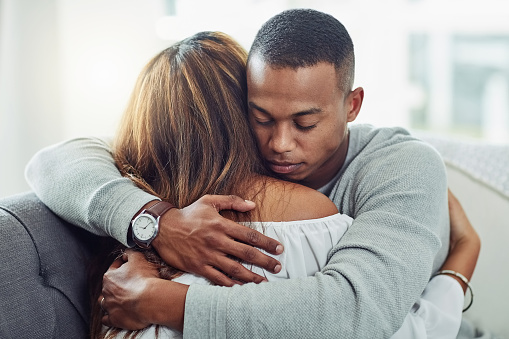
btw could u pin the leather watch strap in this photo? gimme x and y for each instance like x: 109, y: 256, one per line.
x: 158, y: 209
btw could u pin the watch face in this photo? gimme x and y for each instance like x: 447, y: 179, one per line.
x: 144, y: 227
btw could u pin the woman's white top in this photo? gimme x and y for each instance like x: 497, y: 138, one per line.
x: 437, y: 314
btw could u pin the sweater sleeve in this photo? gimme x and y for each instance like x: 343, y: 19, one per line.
x: 438, y: 312
x: 398, y: 198
x: 78, y: 181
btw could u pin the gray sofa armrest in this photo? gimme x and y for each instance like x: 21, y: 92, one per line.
x: 43, y: 270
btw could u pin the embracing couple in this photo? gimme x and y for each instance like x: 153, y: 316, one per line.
x: 211, y: 161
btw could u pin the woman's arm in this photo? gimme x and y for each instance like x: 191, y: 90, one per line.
x: 465, y: 243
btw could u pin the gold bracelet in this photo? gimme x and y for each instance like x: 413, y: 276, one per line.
x: 465, y: 280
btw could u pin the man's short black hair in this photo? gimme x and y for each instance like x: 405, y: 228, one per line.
x: 305, y: 37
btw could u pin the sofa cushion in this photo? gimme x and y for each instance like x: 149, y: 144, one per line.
x: 44, y: 272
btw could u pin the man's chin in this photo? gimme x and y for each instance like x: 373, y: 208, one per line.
x: 289, y: 177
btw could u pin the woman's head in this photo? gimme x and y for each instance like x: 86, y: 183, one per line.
x: 185, y: 133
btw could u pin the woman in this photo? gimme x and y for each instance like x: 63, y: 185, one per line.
x: 188, y: 108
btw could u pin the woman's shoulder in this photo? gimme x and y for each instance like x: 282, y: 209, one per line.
x: 287, y: 201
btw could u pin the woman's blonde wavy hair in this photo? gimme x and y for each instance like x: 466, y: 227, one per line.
x: 185, y: 131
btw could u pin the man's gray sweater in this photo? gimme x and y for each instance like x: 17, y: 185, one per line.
x: 393, y: 185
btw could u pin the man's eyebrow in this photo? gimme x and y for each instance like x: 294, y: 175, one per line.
x: 308, y: 112
x: 258, y: 108
x: 298, y: 114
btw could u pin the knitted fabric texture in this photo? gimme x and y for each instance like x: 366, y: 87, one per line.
x: 394, y: 187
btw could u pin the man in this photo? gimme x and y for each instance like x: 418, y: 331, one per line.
x: 300, y: 76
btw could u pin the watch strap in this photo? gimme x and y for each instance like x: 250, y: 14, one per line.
x: 158, y: 209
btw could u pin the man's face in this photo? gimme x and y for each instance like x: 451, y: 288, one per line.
x: 300, y: 119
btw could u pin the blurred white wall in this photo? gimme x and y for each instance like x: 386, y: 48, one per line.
x: 66, y: 69
x: 67, y: 66
x: 30, y: 106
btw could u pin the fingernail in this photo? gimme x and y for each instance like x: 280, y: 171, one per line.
x: 249, y: 202
x: 277, y: 268
x: 279, y: 249
x: 262, y: 280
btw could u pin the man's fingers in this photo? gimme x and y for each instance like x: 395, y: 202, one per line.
x: 124, y: 257
x: 106, y: 320
x: 216, y: 277
x: 117, y: 263
x: 133, y: 256
x: 238, y: 272
x: 229, y: 202
x: 253, y: 237
x: 130, y: 254
x: 249, y: 254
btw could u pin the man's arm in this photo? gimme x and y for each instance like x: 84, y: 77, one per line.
x: 163, y: 298
x: 373, y: 277
x: 131, y: 279
x: 78, y: 180
x: 397, y: 196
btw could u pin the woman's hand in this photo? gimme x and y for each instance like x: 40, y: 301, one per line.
x: 461, y: 228
x: 465, y: 243
x: 133, y: 292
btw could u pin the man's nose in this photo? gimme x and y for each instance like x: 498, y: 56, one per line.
x: 282, y: 140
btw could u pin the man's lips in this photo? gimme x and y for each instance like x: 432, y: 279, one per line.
x: 283, y: 167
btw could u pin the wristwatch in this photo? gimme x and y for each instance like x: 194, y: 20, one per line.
x: 146, y: 225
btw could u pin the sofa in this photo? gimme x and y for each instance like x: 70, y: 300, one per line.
x: 43, y: 261
x: 43, y: 270
x: 478, y: 174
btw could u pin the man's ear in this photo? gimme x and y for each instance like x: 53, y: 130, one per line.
x: 354, y: 103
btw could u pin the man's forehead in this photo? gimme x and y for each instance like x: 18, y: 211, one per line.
x: 281, y: 95
x: 259, y: 69
x: 257, y: 60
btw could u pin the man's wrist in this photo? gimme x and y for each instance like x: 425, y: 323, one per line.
x: 130, y: 239
x: 165, y: 302
x: 146, y: 206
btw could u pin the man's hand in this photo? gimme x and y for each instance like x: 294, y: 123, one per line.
x: 198, y: 239
x: 123, y: 286
x: 135, y: 297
